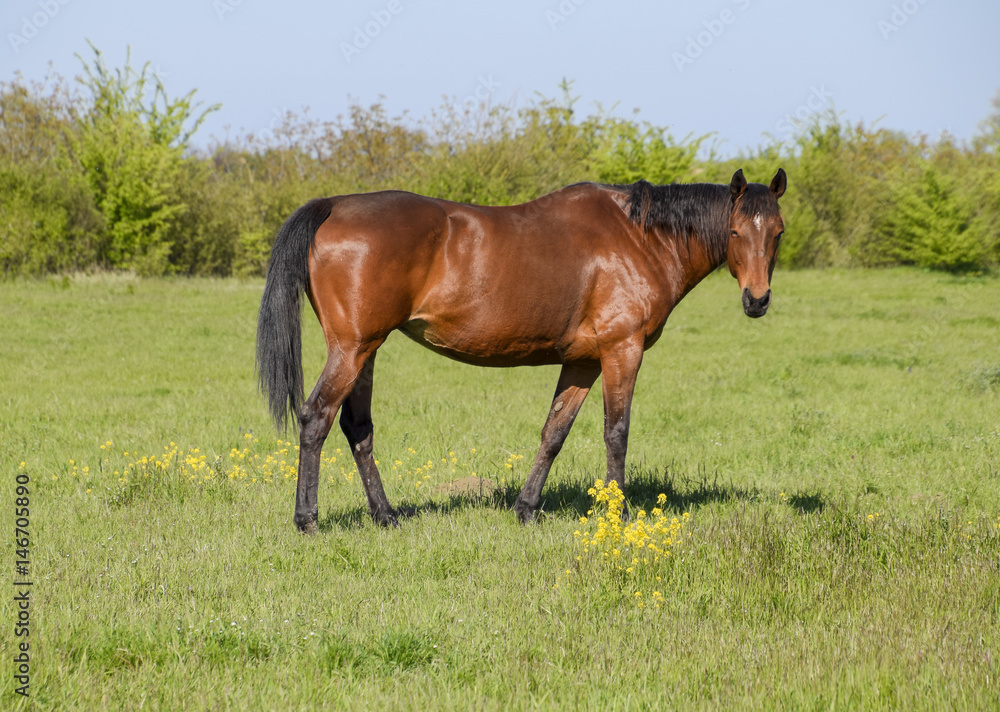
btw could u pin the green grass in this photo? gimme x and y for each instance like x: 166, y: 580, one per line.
x: 840, y: 460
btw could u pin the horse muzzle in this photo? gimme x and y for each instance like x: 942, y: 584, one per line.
x: 755, y: 307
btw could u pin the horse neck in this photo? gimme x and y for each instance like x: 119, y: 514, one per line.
x: 690, y: 253
x: 693, y: 258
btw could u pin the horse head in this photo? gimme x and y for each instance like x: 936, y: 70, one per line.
x: 755, y: 230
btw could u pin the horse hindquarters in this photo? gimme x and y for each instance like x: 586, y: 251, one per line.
x: 358, y: 289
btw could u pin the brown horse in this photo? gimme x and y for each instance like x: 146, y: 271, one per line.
x: 584, y: 277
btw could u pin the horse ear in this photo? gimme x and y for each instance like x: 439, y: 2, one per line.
x: 779, y: 183
x: 738, y: 184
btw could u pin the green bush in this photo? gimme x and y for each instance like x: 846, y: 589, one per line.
x: 106, y: 177
x: 930, y: 224
x: 625, y: 152
x: 48, y: 220
x: 131, y: 148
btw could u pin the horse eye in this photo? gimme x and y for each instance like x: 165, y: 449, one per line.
x: 780, y: 235
x: 733, y: 233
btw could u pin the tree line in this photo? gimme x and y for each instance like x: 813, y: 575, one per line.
x: 101, y: 174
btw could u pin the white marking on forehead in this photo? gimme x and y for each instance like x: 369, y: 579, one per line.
x: 757, y: 220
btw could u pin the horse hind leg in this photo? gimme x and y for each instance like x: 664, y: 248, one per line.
x: 333, y: 389
x: 356, y: 422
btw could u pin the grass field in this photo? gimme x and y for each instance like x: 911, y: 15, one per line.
x: 839, y: 461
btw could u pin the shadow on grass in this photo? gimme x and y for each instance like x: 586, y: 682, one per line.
x: 643, y: 485
x: 807, y: 503
x: 358, y: 517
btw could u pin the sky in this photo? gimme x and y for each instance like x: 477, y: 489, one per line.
x: 742, y: 70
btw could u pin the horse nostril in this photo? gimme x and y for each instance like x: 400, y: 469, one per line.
x: 753, y: 306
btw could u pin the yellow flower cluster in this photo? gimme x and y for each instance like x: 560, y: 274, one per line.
x: 511, y: 460
x: 193, y: 466
x: 337, y: 460
x: 252, y: 463
x: 626, y: 550
x: 412, y: 470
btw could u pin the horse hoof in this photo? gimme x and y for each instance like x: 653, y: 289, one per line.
x: 525, y: 514
x: 386, y: 519
x: 306, y: 524
x: 308, y: 528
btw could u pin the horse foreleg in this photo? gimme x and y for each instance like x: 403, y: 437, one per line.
x: 575, y: 381
x: 619, y: 369
x: 356, y: 422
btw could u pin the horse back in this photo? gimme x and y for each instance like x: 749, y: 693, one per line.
x: 491, y: 285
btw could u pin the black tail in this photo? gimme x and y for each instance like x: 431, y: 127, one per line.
x: 279, y: 330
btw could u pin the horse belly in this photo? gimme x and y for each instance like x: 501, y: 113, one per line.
x: 489, y: 342
x: 503, y: 290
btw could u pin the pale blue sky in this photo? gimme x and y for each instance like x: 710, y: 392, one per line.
x: 739, y: 68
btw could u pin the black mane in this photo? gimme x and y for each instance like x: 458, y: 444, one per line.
x: 699, y: 211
